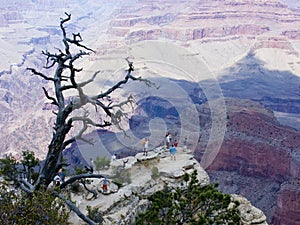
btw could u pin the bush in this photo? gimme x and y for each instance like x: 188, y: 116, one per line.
x: 101, y: 163
x: 155, y: 173
x: 121, y: 176
x: 36, y: 208
x: 95, y: 214
x: 192, y: 205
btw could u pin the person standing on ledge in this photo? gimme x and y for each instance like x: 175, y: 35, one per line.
x: 145, y: 146
x: 185, y: 144
x: 113, y: 157
x: 172, y: 152
x: 175, y: 143
x: 105, y: 184
x: 168, y: 140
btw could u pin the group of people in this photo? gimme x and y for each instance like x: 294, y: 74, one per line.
x: 60, y: 176
x: 170, y: 145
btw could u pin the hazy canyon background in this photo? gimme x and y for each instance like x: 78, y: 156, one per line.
x: 228, y: 73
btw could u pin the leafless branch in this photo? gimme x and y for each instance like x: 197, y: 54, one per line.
x: 81, y: 176
x: 124, y: 81
x: 74, y: 86
x: 130, y: 100
x: 51, y: 65
x: 74, y: 208
x: 90, y: 80
x: 77, y: 42
x: 85, y: 121
x: 89, y: 190
x: 67, y: 47
x: 78, y: 55
x: 34, y: 72
x: 114, y: 87
x: 54, y: 102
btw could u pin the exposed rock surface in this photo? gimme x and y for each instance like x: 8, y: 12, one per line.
x: 255, y: 146
x: 288, y: 204
x: 120, y: 206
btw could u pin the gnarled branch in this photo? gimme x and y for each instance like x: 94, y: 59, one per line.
x: 34, y: 72
x: 81, y: 176
x: 75, y: 209
x: 54, y: 102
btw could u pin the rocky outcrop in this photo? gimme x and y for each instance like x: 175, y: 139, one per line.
x: 187, y: 34
x: 121, y: 205
x: 292, y: 34
x: 262, y: 192
x: 249, y: 214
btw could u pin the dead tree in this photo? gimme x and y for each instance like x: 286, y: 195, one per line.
x: 64, y: 79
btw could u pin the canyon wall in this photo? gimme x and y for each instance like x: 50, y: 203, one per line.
x: 258, y: 156
x: 250, y: 48
x: 287, y: 207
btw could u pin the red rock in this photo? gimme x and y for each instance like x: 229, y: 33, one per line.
x: 288, y: 205
x: 256, y: 145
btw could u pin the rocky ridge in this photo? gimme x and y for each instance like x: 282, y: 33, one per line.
x: 120, y: 206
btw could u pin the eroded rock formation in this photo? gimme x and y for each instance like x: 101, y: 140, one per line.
x: 120, y: 206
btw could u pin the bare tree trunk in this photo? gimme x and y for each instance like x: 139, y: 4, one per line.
x: 64, y: 79
x: 52, y: 159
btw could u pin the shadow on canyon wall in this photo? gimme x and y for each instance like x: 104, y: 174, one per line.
x: 254, y: 177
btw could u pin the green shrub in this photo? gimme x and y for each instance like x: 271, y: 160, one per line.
x: 94, y: 214
x: 192, y: 205
x: 121, y: 176
x: 155, y: 173
x: 37, y: 208
x: 101, y: 163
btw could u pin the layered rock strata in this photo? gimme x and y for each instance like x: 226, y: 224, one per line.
x: 256, y: 146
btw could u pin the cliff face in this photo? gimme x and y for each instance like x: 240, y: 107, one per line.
x: 256, y: 144
x: 208, y: 21
x: 288, y: 205
x: 260, y: 153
